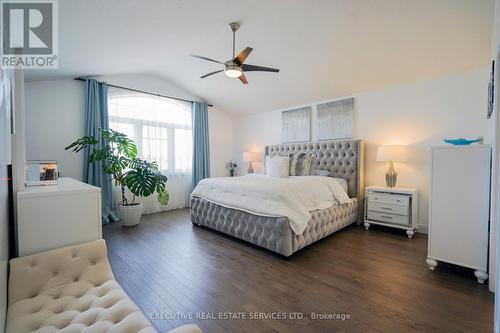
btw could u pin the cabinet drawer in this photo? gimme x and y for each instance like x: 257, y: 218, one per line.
x: 387, y: 208
x: 393, y: 199
x: 387, y: 218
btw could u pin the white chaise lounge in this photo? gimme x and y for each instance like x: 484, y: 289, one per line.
x: 72, y: 289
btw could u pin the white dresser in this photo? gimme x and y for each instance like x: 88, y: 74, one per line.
x: 394, y: 207
x: 459, y: 207
x: 50, y: 217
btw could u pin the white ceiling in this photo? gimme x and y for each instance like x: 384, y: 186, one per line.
x: 324, y: 48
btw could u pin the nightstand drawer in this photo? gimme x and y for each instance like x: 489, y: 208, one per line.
x: 392, y: 199
x: 387, y: 217
x: 387, y: 208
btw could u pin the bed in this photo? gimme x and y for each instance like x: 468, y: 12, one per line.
x: 343, y: 158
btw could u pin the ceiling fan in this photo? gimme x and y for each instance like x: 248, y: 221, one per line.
x: 236, y: 67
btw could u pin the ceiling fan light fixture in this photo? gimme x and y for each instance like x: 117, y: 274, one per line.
x: 233, y: 71
x: 236, y: 67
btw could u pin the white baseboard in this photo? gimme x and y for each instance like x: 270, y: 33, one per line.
x: 423, y: 229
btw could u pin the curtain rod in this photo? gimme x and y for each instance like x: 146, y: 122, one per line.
x: 143, y: 92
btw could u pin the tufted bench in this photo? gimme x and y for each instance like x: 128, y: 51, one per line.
x: 72, y: 289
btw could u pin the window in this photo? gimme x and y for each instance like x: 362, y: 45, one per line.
x: 161, y: 127
x: 155, y: 145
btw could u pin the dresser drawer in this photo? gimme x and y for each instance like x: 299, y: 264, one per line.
x: 392, y: 199
x: 387, y: 217
x: 387, y: 208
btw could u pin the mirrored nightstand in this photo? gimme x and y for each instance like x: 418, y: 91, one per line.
x: 395, y: 207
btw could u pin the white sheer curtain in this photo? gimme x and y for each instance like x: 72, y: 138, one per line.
x: 161, y: 128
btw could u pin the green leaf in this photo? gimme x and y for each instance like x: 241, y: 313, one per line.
x: 144, y: 179
x: 82, y: 143
x: 134, y: 162
x: 140, y: 182
x: 124, y: 145
x: 163, y: 197
x: 98, y: 155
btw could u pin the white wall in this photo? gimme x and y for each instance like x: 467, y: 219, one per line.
x: 55, y: 118
x: 5, y: 160
x: 495, y: 187
x: 221, y: 142
x: 4, y: 234
x: 18, y: 160
x: 4, y: 244
x: 495, y: 38
x: 419, y: 115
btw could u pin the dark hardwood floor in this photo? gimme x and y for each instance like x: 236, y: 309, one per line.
x: 173, y: 270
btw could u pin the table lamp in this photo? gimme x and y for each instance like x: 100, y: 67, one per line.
x: 250, y: 157
x: 391, y: 154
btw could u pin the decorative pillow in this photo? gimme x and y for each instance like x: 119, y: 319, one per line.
x: 322, y: 173
x: 277, y: 166
x: 300, y: 164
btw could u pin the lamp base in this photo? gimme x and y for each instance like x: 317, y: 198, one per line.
x: 250, y: 168
x: 391, y: 176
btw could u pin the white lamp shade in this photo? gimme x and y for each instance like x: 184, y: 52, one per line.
x: 392, y: 153
x: 251, y: 156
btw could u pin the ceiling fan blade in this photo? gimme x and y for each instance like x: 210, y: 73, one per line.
x: 212, y: 73
x: 205, y: 58
x: 243, y: 78
x: 240, y: 58
x: 254, y: 68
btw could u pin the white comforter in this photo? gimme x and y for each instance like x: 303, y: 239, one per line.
x: 293, y: 197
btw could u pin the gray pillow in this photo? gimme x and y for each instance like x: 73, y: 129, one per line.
x: 326, y: 173
x: 323, y: 173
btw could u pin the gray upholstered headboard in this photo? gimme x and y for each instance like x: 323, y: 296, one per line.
x: 343, y: 158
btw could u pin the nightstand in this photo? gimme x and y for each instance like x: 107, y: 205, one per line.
x: 392, y: 207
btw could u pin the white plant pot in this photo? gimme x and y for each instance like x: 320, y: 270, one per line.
x: 130, y: 215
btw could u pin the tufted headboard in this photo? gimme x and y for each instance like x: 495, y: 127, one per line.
x: 343, y: 158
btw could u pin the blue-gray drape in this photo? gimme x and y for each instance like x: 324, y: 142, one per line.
x: 201, y: 147
x: 96, y: 117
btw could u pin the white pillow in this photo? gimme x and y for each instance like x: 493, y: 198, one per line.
x: 277, y: 166
x: 343, y: 183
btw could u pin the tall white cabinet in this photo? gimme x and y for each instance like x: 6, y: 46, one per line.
x: 459, y: 207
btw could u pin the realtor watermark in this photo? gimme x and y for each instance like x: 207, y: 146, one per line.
x: 249, y: 316
x: 29, y: 34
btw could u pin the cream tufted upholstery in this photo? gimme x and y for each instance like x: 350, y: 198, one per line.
x: 71, y: 289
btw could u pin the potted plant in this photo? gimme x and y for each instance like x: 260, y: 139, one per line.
x: 231, y: 166
x: 119, y: 159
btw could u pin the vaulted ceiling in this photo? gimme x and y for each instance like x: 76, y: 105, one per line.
x: 324, y: 48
